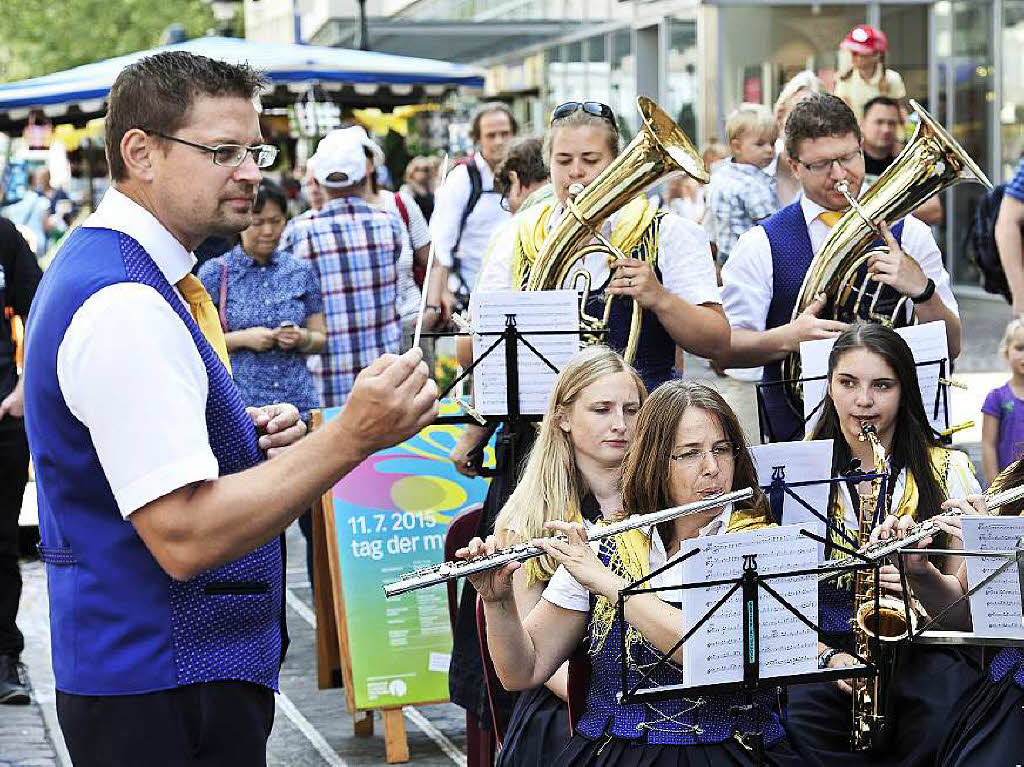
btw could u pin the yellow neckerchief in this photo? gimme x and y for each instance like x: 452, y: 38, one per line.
x: 940, y: 459
x: 631, y: 558
x: 633, y: 224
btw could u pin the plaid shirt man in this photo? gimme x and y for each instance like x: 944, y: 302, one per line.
x: 354, y: 249
x: 739, y: 196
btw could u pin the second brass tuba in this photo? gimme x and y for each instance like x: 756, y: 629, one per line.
x: 931, y: 161
x: 661, y: 147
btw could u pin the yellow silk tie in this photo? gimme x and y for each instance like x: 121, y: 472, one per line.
x: 830, y: 217
x: 205, y: 315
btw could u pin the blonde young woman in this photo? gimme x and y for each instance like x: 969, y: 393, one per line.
x: 572, y: 474
x: 688, y: 446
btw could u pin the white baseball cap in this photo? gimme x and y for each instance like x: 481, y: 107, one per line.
x: 339, y: 161
x: 358, y: 133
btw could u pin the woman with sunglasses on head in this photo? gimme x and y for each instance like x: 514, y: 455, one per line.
x: 688, y: 447
x: 872, y: 380
x: 668, y: 269
x: 572, y: 475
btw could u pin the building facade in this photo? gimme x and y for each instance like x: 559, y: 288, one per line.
x: 963, y: 60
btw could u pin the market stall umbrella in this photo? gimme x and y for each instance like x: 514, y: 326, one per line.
x: 348, y: 77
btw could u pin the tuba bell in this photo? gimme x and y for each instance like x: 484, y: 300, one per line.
x: 661, y: 147
x: 929, y: 163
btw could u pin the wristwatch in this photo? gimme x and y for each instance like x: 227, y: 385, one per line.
x: 826, y: 656
x: 924, y: 295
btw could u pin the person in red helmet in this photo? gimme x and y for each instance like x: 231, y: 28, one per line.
x: 867, y: 76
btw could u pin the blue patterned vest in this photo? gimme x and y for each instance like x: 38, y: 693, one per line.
x: 684, y: 721
x: 1009, y: 661
x: 656, y: 351
x: 791, y: 259
x: 119, y: 624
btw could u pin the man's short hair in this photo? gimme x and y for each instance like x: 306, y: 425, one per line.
x: 820, y: 115
x: 491, y: 107
x: 880, y: 101
x: 156, y: 93
x: 750, y: 118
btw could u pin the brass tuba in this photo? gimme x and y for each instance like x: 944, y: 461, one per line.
x: 929, y: 163
x: 661, y: 147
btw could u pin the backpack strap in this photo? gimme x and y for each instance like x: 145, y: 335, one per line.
x: 476, y: 190
x: 223, y: 293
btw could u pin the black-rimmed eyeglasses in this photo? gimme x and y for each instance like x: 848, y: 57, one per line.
x: 230, y: 155
x: 824, y: 166
x: 595, y: 108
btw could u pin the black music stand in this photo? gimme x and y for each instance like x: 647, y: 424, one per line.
x: 926, y: 634
x: 514, y: 420
x: 750, y: 584
x: 766, y: 428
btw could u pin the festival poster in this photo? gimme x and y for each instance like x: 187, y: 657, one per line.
x: 391, y: 515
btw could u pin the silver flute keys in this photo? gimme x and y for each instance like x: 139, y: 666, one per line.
x: 447, y: 571
x: 921, y: 530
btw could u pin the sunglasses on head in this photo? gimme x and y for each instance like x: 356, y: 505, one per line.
x: 595, y: 108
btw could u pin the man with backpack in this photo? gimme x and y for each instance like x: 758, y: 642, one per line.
x: 466, y: 209
x: 1009, y: 230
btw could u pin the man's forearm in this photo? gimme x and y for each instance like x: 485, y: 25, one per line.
x: 212, y: 523
x: 751, y: 348
x: 700, y: 330
x: 1011, y: 254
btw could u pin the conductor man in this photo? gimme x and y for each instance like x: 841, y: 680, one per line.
x: 160, y: 513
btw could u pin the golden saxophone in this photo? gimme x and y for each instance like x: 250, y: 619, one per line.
x: 867, y: 698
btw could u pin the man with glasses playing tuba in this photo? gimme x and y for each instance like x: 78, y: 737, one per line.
x: 766, y: 270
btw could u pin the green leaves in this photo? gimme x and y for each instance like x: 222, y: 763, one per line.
x: 40, y: 37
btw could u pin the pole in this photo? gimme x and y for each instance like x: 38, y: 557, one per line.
x: 364, y: 34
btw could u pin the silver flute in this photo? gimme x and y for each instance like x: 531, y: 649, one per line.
x: 431, y: 576
x: 881, y: 549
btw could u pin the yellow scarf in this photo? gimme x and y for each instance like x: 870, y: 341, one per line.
x: 631, y: 559
x: 632, y: 228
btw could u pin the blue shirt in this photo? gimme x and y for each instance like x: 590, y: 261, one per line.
x: 739, y: 196
x: 285, y: 289
x: 1016, y: 187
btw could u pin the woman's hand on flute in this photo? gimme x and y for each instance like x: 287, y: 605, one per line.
x: 576, y: 554
x: 492, y: 585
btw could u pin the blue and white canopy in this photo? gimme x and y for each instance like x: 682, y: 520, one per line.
x: 359, y: 78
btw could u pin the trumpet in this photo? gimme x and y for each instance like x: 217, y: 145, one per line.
x: 448, y: 571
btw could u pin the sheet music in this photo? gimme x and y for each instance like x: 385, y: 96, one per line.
x: 803, y: 461
x: 714, y: 653
x: 995, y: 608
x: 927, y: 342
x: 534, y: 310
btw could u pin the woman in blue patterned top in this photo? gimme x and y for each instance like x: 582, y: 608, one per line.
x: 271, y: 309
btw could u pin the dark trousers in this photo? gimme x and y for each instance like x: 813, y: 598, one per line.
x: 13, y: 477
x: 212, y: 724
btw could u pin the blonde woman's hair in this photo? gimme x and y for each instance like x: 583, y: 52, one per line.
x: 1013, y: 326
x: 750, y: 118
x: 579, y: 119
x: 549, y: 487
x: 805, y: 80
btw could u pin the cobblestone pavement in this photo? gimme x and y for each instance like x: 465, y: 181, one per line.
x: 312, y: 727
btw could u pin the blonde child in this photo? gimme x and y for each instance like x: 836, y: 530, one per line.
x: 1002, y: 427
x: 742, y: 192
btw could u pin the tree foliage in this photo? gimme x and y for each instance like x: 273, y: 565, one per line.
x: 44, y: 36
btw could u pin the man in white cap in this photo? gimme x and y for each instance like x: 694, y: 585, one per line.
x: 354, y: 248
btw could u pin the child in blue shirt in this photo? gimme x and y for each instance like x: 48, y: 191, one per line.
x: 741, y: 191
x: 1002, y: 428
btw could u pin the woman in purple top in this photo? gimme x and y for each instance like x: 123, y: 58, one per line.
x: 1002, y: 430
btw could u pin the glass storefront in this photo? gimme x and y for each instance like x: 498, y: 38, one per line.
x: 1011, y: 113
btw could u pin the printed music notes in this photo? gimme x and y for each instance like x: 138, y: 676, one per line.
x: 996, y: 607
x: 533, y: 310
x: 927, y: 342
x: 714, y: 653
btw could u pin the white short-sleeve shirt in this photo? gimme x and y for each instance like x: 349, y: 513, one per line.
x: 747, y: 275
x: 565, y: 591
x: 684, y: 258
x: 129, y: 370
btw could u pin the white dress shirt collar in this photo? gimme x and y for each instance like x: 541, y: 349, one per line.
x: 716, y: 526
x: 486, y: 174
x: 119, y: 212
x: 811, y: 209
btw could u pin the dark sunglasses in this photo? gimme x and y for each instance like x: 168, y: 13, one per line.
x: 595, y: 108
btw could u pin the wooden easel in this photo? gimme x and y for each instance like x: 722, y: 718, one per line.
x: 332, y: 635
